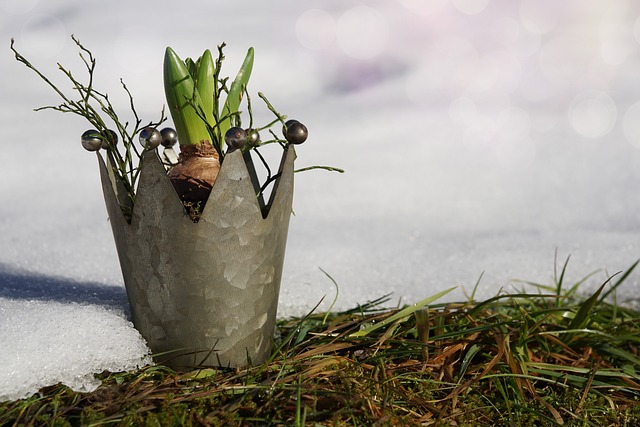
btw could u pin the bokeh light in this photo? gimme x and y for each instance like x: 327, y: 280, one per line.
x: 539, y: 16
x: 463, y: 111
x: 424, y: 7
x: 564, y: 59
x: 616, y: 43
x: 636, y: 30
x: 498, y: 70
x: 316, y: 29
x: 525, y: 43
x: 470, y: 7
x: 362, y: 32
x: 631, y: 124
x: 592, y: 114
x: 448, y: 68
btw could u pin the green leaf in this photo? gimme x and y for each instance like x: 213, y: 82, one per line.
x: 192, y: 67
x: 236, y: 90
x: 205, y: 84
x: 181, y: 95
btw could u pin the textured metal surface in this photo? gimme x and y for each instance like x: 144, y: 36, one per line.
x: 205, y: 291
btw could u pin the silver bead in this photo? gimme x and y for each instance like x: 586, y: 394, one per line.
x: 150, y: 137
x: 235, y: 138
x: 169, y: 137
x: 295, y: 132
x: 114, y: 140
x: 253, y: 137
x: 91, y: 140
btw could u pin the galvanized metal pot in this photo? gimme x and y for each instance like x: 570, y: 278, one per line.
x: 205, y: 293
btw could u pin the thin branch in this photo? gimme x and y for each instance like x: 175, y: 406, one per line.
x: 93, y: 105
x: 327, y: 168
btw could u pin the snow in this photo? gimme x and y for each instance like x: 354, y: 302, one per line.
x: 84, y: 341
x: 477, y: 136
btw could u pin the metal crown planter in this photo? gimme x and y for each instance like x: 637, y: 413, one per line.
x: 201, y: 252
x: 203, y: 293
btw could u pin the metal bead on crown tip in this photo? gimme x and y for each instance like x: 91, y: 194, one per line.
x: 169, y: 137
x: 235, y: 138
x: 91, y: 140
x: 113, y: 141
x: 150, y: 137
x: 253, y: 137
x: 295, y: 132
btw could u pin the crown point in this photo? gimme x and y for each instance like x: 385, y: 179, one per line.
x: 91, y: 140
x: 295, y: 132
x: 150, y: 138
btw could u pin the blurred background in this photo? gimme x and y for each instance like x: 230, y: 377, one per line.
x: 478, y: 136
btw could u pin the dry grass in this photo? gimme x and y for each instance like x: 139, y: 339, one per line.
x: 548, y: 358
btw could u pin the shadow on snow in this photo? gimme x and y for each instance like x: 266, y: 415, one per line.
x: 24, y: 285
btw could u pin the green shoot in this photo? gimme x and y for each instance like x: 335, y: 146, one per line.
x: 183, y: 100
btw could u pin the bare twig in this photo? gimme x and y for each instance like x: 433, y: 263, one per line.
x: 96, y: 108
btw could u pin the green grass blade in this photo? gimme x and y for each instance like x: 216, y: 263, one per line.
x: 407, y: 311
x: 618, y: 352
x: 473, y: 350
x: 581, y: 318
x: 620, y: 280
x: 335, y: 299
x: 584, y: 315
x: 494, y: 300
x: 472, y: 297
x: 560, y: 280
x: 551, y: 370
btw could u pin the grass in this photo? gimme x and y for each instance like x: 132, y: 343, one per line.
x: 552, y: 357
